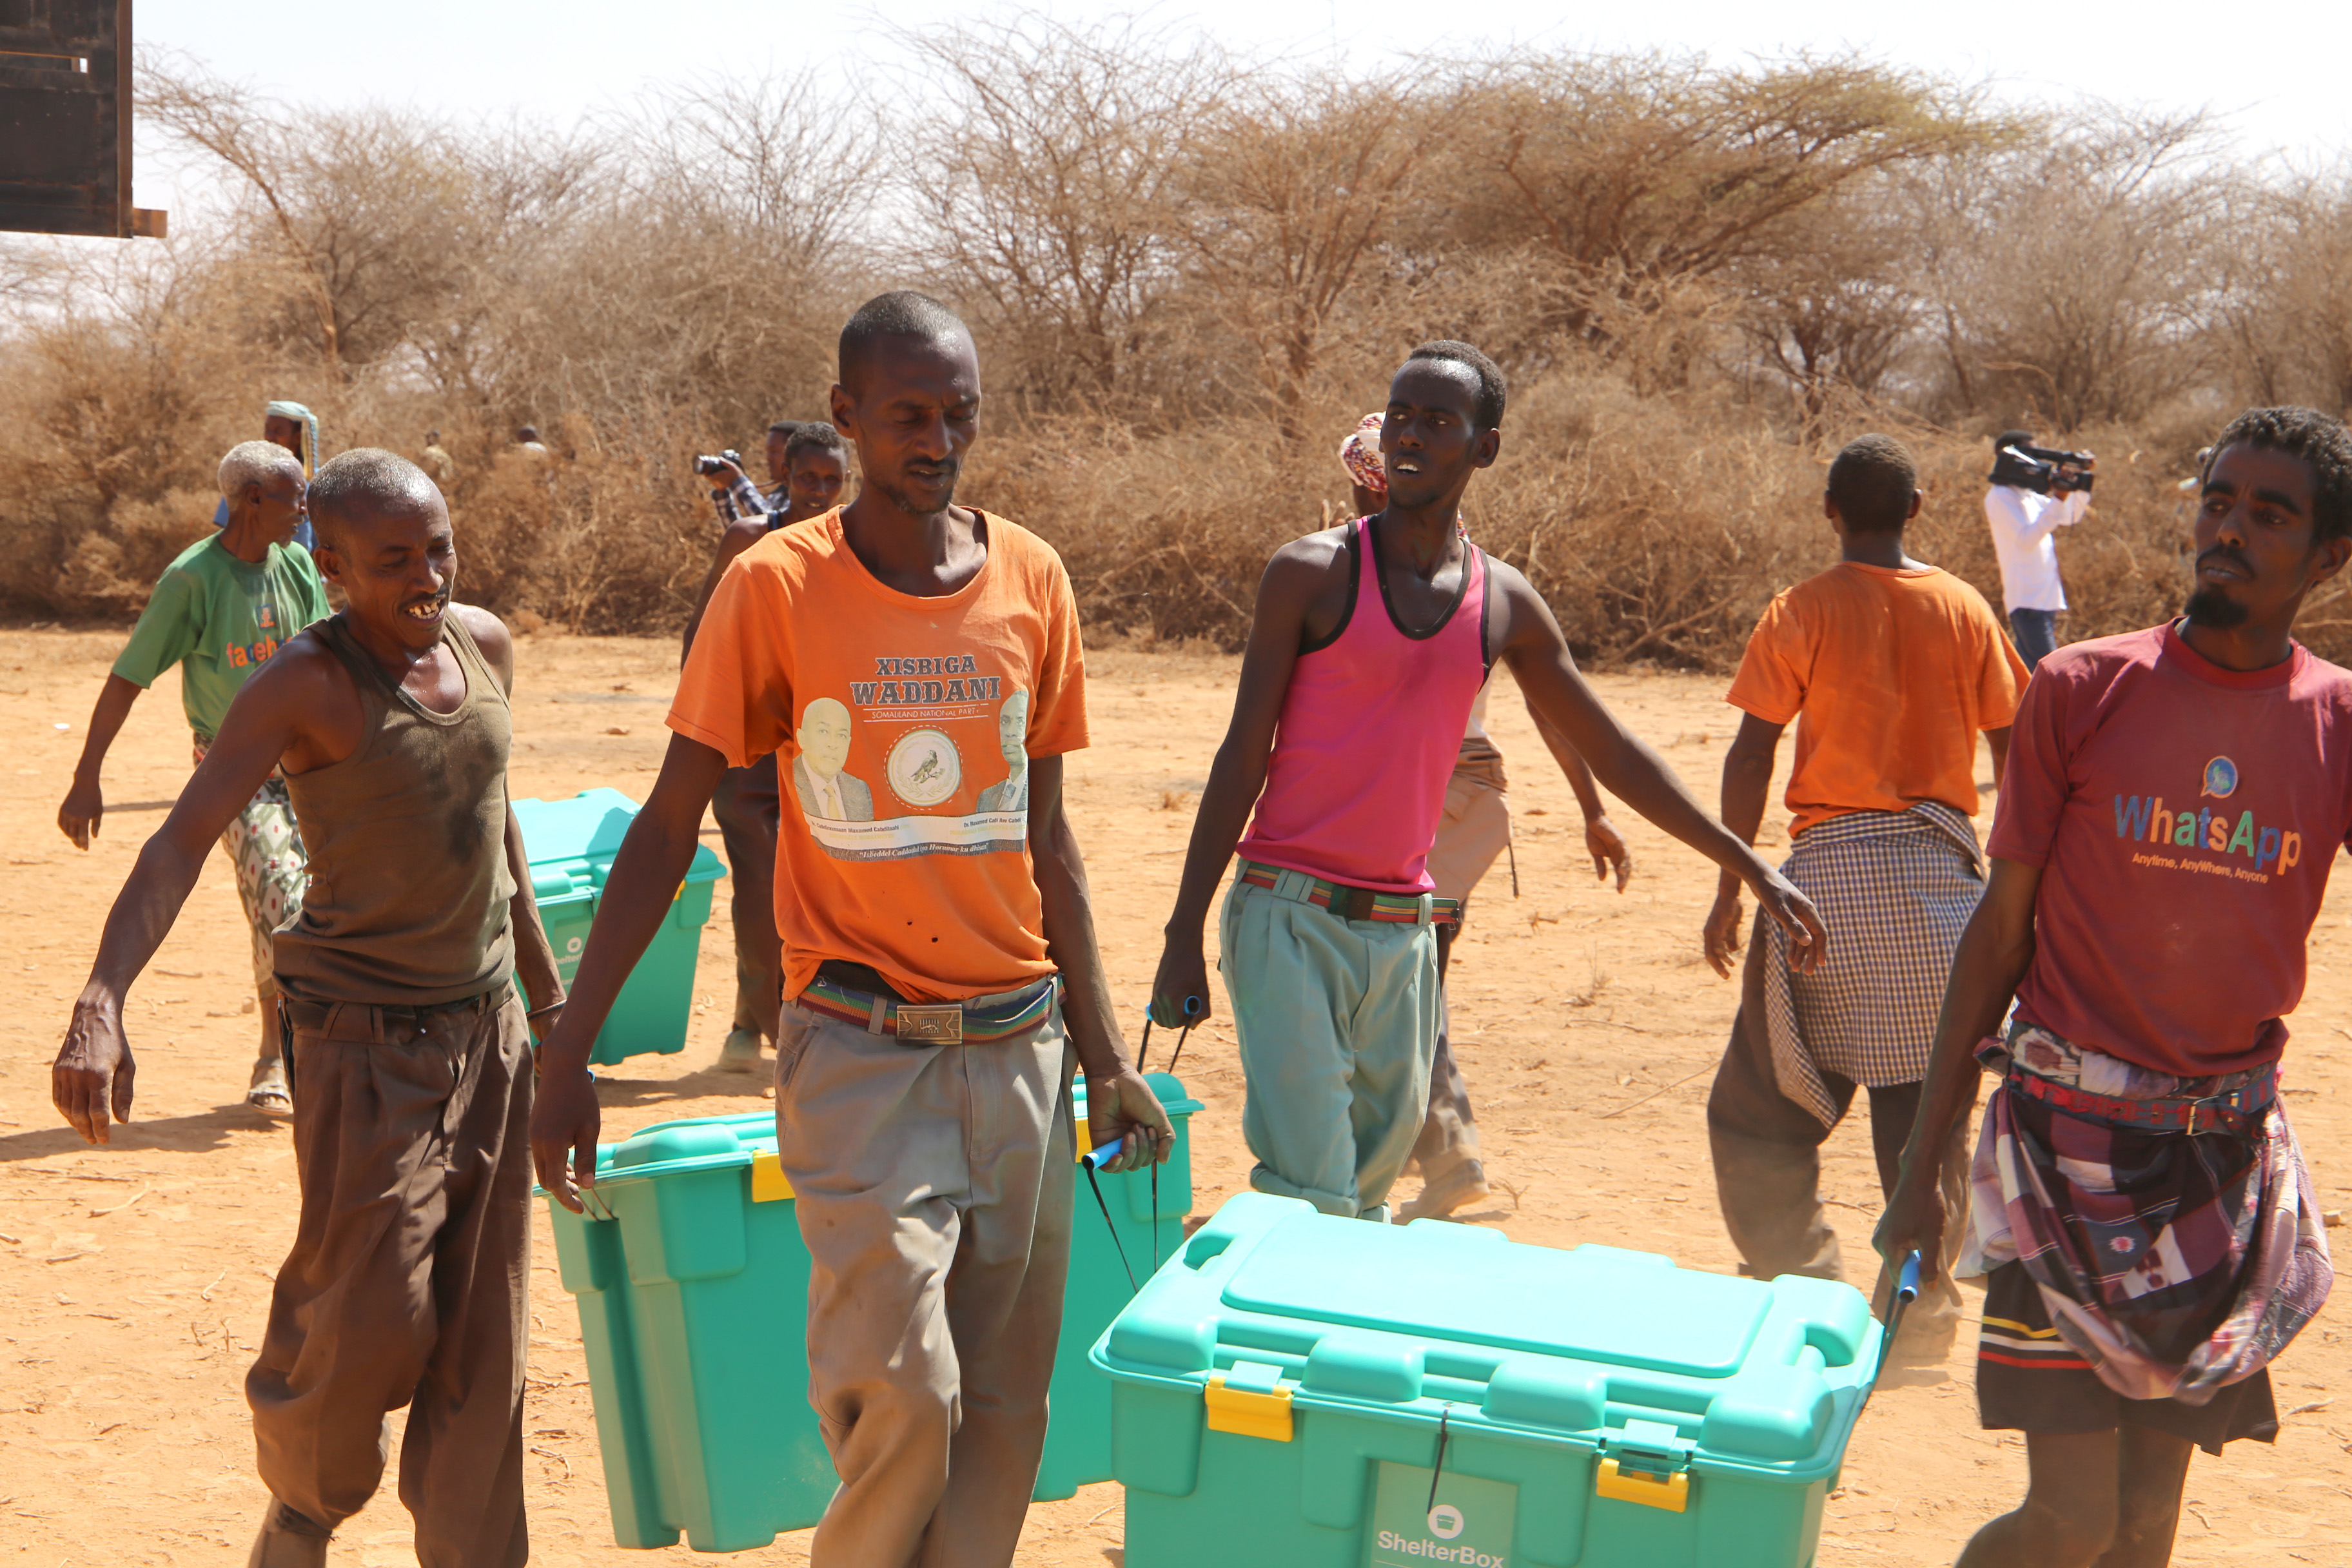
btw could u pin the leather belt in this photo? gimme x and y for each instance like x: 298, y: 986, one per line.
x: 2238, y: 1112
x: 879, y: 1010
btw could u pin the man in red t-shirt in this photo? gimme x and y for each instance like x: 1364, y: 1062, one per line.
x: 2170, y: 810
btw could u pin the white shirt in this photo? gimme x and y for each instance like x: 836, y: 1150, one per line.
x: 2022, y: 524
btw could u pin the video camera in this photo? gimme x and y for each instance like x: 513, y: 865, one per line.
x: 2041, y: 469
x: 711, y: 468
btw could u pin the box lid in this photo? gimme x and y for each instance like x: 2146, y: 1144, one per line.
x: 1596, y: 1346
x: 570, y: 843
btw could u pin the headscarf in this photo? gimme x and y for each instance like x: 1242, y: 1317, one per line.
x: 1359, y: 454
x: 310, y: 423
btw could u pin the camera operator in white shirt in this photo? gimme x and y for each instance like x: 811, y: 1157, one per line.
x: 2023, y: 519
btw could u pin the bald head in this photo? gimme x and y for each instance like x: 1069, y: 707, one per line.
x: 902, y: 314
x: 365, y: 483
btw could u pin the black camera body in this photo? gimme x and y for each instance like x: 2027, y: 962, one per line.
x: 711, y: 468
x: 2041, y: 469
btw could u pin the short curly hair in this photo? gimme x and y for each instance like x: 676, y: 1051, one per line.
x: 2319, y: 439
x: 1872, y: 480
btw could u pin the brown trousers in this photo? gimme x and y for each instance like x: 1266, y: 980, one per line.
x: 1768, y: 1163
x: 933, y: 1186
x: 750, y: 812
x: 407, y: 1281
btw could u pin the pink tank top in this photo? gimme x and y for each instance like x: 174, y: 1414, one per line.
x: 1368, y: 735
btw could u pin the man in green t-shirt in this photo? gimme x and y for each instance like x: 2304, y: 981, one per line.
x: 228, y: 603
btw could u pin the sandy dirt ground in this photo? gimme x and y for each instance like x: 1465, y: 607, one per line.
x: 134, y: 1280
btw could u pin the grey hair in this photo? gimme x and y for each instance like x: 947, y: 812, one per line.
x: 254, y: 463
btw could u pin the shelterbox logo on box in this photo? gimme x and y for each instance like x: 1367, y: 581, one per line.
x: 1437, y: 1552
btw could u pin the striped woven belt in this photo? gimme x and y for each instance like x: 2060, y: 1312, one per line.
x: 2237, y: 1112
x: 1357, y: 903
x: 934, y: 1023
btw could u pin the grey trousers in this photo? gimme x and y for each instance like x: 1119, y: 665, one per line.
x: 933, y: 1186
x: 407, y: 1280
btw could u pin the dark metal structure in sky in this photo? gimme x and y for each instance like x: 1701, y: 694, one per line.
x: 65, y: 120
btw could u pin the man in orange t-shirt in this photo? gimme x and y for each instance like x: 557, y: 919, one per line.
x: 918, y: 665
x: 1891, y: 667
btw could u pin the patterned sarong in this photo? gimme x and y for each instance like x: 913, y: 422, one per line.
x: 2176, y: 1264
x: 272, y: 869
x: 1896, y: 889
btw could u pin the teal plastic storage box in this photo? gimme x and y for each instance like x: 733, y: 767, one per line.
x: 692, y: 1286
x: 1289, y: 1387
x: 572, y: 844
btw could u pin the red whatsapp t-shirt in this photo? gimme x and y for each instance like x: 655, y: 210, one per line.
x: 2185, y: 818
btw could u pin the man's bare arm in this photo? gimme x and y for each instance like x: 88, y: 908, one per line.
x: 1601, y: 839
x: 1997, y: 742
x: 1989, y: 965
x: 1747, y: 791
x: 1118, y: 1101
x: 1237, y: 776
x: 739, y: 536
x: 85, y: 802
x: 1547, y: 673
x: 654, y: 860
x: 94, y: 1070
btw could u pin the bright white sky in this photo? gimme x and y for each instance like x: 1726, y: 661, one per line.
x: 2279, y: 83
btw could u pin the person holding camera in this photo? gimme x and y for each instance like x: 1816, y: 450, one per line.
x: 810, y: 461
x: 2035, y: 492
x: 732, y: 493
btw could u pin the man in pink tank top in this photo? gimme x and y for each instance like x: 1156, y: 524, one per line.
x: 1368, y: 645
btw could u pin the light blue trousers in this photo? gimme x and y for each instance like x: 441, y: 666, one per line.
x: 1337, y: 1022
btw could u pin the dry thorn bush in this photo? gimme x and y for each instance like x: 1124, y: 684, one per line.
x: 1190, y: 274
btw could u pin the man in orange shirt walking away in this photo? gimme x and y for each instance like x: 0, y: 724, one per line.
x: 1895, y: 666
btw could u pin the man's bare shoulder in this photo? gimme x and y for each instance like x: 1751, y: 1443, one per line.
x: 489, y: 635
x: 304, y: 669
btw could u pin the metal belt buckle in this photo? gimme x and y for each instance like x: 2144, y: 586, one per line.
x: 937, y: 1025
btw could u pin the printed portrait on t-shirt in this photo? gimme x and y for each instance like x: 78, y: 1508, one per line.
x: 1013, y: 741
x: 826, y: 790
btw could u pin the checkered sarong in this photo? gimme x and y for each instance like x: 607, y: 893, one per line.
x: 2175, y: 1264
x: 1896, y: 889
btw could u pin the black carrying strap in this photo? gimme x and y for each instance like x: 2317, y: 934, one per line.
x: 1115, y: 1241
x: 1438, y: 1468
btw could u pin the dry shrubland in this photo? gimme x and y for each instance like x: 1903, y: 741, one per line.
x: 1189, y: 273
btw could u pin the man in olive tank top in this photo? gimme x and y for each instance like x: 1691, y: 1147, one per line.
x: 1368, y: 645
x: 409, y: 1046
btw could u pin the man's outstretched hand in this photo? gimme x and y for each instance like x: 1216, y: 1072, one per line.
x: 1124, y: 1108
x: 94, y: 1071
x: 1809, y: 939
x: 1606, y: 848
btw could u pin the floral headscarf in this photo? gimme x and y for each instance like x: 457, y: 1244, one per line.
x: 1359, y: 454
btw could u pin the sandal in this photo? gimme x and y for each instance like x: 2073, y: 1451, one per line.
x: 269, y: 1093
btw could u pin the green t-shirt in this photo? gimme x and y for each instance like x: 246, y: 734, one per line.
x: 221, y: 617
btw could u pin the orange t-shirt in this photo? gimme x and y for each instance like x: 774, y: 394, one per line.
x: 904, y: 728
x: 1893, y: 672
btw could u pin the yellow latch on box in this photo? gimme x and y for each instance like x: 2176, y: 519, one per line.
x: 1671, y: 1492
x: 1248, y: 1412
x: 768, y: 1182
